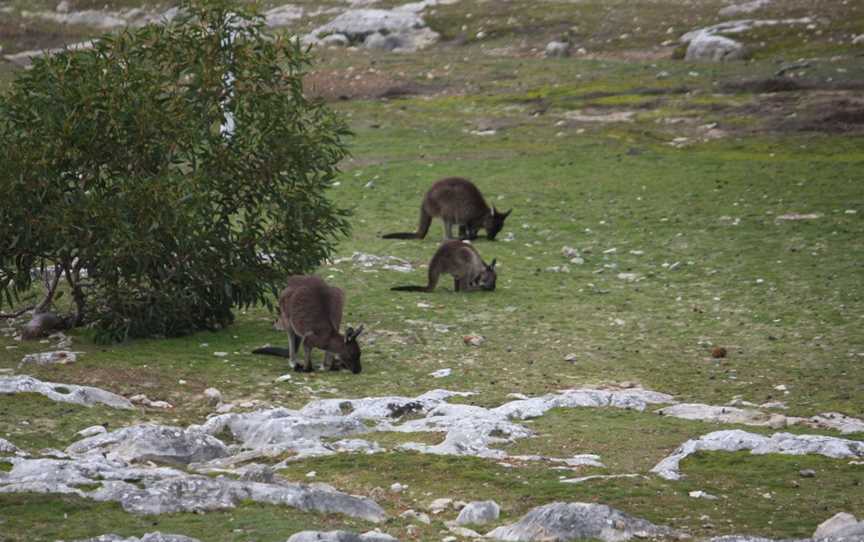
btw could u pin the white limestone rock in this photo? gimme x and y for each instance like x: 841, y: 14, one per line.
x: 66, y: 393
x: 715, y: 49
x: 577, y: 521
x: 840, y: 526
x: 149, y: 537
x: 743, y: 9
x: 737, y: 440
x: 150, y: 442
x: 557, y: 49
x: 478, y: 513
x: 7, y: 447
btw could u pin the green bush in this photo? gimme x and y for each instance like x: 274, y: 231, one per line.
x: 116, y: 173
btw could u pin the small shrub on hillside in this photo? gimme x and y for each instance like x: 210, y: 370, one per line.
x: 122, y: 172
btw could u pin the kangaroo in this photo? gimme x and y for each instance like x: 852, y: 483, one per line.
x: 311, y: 313
x: 457, y: 201
x: 462, y: 261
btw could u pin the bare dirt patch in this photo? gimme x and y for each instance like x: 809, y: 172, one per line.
x: 350, y: 85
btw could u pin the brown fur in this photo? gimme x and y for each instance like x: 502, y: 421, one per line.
x: 42, y: 324
x: 463, y: 262
x: 456, y: 201
x: 311, y: 314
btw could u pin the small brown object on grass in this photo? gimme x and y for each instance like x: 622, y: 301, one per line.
x: 718, y: 352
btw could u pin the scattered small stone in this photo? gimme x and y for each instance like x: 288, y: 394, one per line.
x: 557, y: 49
x: 283, y: 378
x: 558, y: 269
x: 213, y: 395
x: 311, y: 474
x: 397, y: 488
x: 570, y: 357
x: 799, y: 216
x: 473, y: 340
x: 92, y: 431
x: 569, y: 252
x: 220, y: 354
x: 142, y: 399
x: 58, y: 357
x: 439, y: 505
x: 840, y: 526
x: 807, y: 473
x: 441, y: 373
x: 702, y: 495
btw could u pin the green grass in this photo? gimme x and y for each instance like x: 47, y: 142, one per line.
x: 697, y: 225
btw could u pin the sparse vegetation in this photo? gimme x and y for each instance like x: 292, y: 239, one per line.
x: 697, y: 222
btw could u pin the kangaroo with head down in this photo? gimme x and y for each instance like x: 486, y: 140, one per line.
x: 462, y: 261
x: 457, y: 201
x: 311, y: 313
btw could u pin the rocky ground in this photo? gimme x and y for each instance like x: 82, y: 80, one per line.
x: 673, y: 351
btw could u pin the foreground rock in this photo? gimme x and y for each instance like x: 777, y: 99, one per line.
x: 577, y: 521
x: 840, y: 526
x: 157, y: 443
x: 66, y: 393
x: 478, y: 513
x: 340, y: 536
x: 743, y: 9
x: 7, y: 447
x: 160, y: 490
x: 149, y: 537
x: 778, y: 443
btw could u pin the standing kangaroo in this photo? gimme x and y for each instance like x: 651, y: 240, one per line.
x: 311, y: 313
x: 456, y: 201
x: 462, y: 261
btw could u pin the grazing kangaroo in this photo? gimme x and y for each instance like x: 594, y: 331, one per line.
x: 462, y: 261
x: 311, y: 313
x: 456, y: 201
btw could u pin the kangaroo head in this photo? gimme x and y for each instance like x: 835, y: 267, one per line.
x: 351, y: 358
x: 486, y: 279
x: 494, y: 222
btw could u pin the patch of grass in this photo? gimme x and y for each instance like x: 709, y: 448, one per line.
x: 696, y: 229
x: 38, y: 517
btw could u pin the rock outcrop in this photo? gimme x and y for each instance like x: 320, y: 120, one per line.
x: 778, y: 443
x: 577, y: 521
x: 66, y: 393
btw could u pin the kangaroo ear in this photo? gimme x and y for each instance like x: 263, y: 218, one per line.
x: 359, y: 331
x: 505, y: 215
x: 492, y: 265
x: 349, y: 331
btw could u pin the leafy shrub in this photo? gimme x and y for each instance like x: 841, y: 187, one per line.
x: 117, y: 171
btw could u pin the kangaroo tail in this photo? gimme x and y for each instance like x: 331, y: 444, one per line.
x: 409, y: 289
x: 422, y: 228
x: 405, y: 235
x: 273, y: 351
